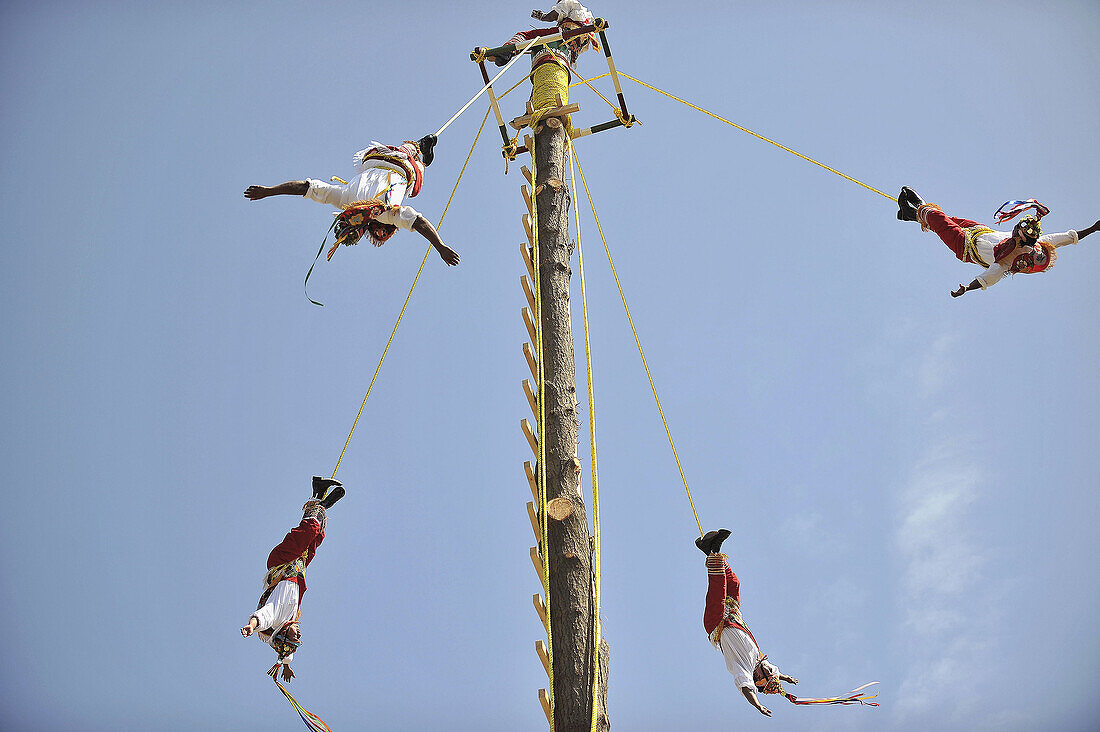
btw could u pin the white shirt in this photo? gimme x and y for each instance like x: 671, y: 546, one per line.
x: 986, y: 242
x: 741, y: 654
x: 386, y: 185
x: 281, y: 608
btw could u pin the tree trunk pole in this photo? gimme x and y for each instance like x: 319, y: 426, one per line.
x: 569, y: 549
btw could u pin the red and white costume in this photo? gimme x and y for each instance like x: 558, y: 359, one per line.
x: 977, y: 244
x: 564, y: 53
x: 724, y: 624
x: 385, y: 174
x: 285, y: 583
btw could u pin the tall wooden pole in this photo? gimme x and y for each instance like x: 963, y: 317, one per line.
x: 569, y: 546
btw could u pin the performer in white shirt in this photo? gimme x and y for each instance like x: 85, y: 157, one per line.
x: 1025, y: 251
x: 280, y: 606
x: 385, y: 175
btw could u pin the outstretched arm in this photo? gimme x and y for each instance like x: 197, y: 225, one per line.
x: 750, y: 697
x: 963, y: 289
x: 290, y: 188
x: 424, y: 227
x: 1082, y: 233
x: 788, y: 679
x: 550, y: 17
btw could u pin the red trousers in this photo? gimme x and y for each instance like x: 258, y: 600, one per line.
x: 950, y: 229
x: 303, y: 538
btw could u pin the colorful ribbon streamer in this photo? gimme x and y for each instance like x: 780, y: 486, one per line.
x: 854, y: 697
x: 1011, y: 209
x: 313, y: 722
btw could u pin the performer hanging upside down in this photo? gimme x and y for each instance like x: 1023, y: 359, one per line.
x: 752, y: 672
x: 1025, y: 251
x: 280, y: 606
x: 726, y: 628
x: 372, y: 200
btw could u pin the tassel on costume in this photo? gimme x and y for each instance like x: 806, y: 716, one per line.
x: 313, y: 722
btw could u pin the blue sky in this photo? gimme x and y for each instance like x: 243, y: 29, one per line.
x: 910, y: 479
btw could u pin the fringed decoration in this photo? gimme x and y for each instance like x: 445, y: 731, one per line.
x: 312, y: 721
x: 922, y: 211
x: 854, y: 697
x: 351, y: 225
x: 1011, y: 209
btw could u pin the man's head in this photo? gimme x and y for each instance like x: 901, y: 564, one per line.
x: 287, y: 639
x: 1027, y: 230
x: 766, y: 677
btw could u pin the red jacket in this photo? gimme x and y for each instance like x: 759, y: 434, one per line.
x: 302, y: 539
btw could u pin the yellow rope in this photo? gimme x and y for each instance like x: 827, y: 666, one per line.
x: 544, y: 520
x: 594, y: 78
x: 759, y: 137
x: 549, y: 82
x: 407, y: 297
x: 592, y: 462
x: 601, y: 96
x: 637, y: 341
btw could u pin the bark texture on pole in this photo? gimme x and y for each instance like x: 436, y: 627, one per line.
x: 569, y: 550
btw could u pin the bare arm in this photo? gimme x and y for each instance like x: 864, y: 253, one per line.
x: 1082, y: 233
x: 788, y: 679
x: 249, y: 629
x: 290, y: 188
x: 963, y: 289
x: 550, y: 17
x: 424, y: 227
x: 750, y: 697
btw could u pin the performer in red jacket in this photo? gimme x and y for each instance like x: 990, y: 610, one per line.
x: 1025, y: 251
x: 728, y: 631
x: 280, y: 606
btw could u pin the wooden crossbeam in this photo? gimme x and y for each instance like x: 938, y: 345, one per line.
x: 526, y: 196
x: 540, y: 608
x: 534, y: 516
x: 526, y: 174
x: 537, y: 561
x: 530, y: 435
x: 529, y: 321
x: 525, y: 250
x: 559, y: 111
x: 544, y: 699
x: 526, y: 285
x: 540, y: 648
x: 527, y: 229
x: 529, y: 469
x: 531, y: 398
x: 532, y: 364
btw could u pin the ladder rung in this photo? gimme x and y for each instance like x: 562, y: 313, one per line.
x: 540, y: 648
x: 544, y: 698
x: 529, y: 321
x: 534, y: 516
x: 532, y: 363
x: 537, y: 561
x: 531, y: 398
x: 529, y: 469
x: 540, y: 608
x: 526, y: 285
x: 530, y: 435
